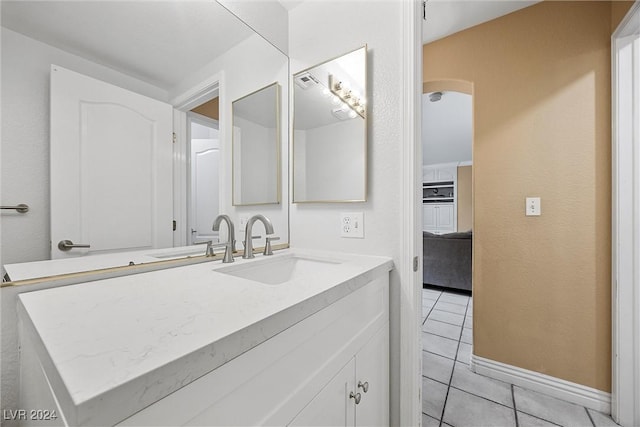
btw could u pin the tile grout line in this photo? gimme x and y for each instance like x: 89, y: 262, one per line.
x: 589, y: 415
x: 446, y: 397
x: 515, y: 410
x: 432, y: 308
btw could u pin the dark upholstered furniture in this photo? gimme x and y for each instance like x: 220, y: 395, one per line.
x: 447, y: 260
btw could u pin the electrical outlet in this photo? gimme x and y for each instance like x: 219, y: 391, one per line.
x: 532, y: 207
x: 352, y: 224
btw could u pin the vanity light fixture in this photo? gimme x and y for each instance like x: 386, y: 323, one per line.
x: 348, y: 96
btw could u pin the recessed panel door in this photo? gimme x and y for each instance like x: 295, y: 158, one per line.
x: 111, y: 168
x: 205, y: 183
x: 332, y: 406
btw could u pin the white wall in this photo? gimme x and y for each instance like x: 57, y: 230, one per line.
x: 246, y: 68
x: 254, y: 146
x: 334, y: 162
x: 322, y: 30
x: 447, y: 129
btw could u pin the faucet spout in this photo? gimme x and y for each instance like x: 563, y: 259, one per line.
x: 248, y: 242
x: 231, y: 243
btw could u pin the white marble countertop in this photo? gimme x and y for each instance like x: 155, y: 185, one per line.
x: 112, y: 347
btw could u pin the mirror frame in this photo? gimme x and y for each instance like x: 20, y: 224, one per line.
x: 278, y: 142
x: 365, y: 136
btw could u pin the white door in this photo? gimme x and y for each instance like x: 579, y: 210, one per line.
x: 204, y: 205
x: 111, y: 167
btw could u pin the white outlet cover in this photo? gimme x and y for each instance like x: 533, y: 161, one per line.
x: 352, y: 224
x: 532, y: 206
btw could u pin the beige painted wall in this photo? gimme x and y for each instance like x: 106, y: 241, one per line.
x: 209, y: 109
x: 541, y: 86
x: 464, y: 198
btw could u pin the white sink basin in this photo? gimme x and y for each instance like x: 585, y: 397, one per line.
x: 280, y: 269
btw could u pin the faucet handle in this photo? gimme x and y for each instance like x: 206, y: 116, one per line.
x: 267, y: 245
x: 211, y: 246
x: 253, y: 237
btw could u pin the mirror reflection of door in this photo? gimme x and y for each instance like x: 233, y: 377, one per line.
x: 110, y: 161
x: 204, y: 194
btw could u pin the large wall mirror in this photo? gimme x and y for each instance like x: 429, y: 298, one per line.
x: 190, y: 59
x: 330, y: 130
x: 256, y: 148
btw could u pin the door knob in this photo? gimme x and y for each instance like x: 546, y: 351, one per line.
x: 67, y: 245
x: 364, y: 386
x: 355, y: 396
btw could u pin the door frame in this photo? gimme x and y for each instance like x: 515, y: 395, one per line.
x: 408, y: 396
x: 625, y: 223
x: 182, y: 103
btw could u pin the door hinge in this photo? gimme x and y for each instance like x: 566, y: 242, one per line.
x: 415, y: 263
x: 174, y: 225
x: 175, y: 137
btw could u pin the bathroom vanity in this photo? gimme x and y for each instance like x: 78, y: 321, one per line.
x: 297, y: 338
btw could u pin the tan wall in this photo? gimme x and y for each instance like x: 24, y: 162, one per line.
x: 209, y: 109
x: 541, y: 87
x: 464, y: 198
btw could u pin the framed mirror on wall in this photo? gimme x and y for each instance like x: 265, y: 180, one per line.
x: 330, y: 130
x: 208, y: 58
x: 256, y: 148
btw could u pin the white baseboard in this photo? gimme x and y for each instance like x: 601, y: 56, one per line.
x: 546, y: 384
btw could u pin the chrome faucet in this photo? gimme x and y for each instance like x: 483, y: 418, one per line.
x: 248, y: 238
x: 230, y: 245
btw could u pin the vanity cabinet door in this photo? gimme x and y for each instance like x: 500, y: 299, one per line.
x: 372, y: 374
x: 358, y: 395
x: 332, y: 406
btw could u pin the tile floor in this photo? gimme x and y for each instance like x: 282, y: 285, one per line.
x: 452, y: 395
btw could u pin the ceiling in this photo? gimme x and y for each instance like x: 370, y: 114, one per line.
x: 154, y: 41
x: 446, y: 17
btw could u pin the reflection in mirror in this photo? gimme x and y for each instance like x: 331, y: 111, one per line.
x: 330, y: 131
x: 204, y: 173
x: 187, y: 57
x: 256, y: 152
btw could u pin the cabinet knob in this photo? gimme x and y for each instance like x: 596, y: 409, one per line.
x: 355, y: 396
x: 364, y: 386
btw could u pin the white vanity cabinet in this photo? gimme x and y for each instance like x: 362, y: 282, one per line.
x: 302, y: 376
x: 296, y: 362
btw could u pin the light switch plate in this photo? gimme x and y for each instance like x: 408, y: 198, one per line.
x: 532, y: 207
x: 352, y: 224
